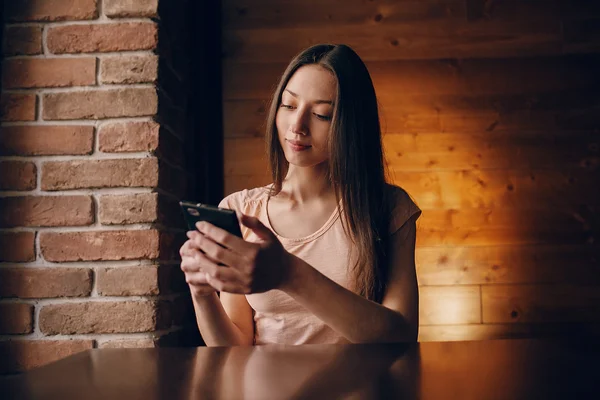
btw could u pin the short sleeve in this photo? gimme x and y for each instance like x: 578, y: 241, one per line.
x: 246, y: 202
x: 234, y: 201
x: 405, y: 208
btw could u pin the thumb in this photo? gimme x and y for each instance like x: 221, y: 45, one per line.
x: 256, y: 226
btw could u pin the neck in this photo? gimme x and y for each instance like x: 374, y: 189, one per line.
x: 306, y: 184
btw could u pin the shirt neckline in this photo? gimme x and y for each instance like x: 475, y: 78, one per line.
x: 319, y: 232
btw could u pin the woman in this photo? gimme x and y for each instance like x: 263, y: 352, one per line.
x: 328, y: 255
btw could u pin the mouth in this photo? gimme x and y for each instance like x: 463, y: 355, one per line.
x: 297, y: 146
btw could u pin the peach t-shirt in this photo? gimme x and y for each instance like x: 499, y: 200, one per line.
x: 278, y: 318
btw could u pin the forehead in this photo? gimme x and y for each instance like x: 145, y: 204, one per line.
x: 313, y: 82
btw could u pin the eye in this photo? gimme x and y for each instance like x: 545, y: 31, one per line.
x: 323, y: 117
x: 286, y: 106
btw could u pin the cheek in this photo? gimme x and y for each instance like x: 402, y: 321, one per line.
x: 321, y: 136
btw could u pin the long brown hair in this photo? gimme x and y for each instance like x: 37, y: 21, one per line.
x: 356, y: 166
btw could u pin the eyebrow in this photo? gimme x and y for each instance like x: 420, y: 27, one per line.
x: 316, y: 102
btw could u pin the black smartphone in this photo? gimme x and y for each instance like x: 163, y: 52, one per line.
x: 224, y: 218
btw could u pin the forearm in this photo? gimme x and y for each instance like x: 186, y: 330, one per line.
x: 214, y: 324
x: 359, y: 320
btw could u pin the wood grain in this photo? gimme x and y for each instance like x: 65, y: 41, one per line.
x: 438, y: 265
x: 448, y: 333
x: 575, y: 224
x: 480, y: 227
x: 540, y: 303
x: 235, y: 183
x: 275, y: 14
x: 472, y: 77
x: 244, y: 118
x: 498, y: 188
x: 554, y: 111
x: 447, y: 305
x: 448, y: 151
x: 501, y: 188
x: 403, y: 40
x: 490, y: 112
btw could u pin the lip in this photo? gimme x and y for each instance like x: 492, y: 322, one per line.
x: 297, y: 146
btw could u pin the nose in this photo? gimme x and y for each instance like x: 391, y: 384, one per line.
x: 298, y: 125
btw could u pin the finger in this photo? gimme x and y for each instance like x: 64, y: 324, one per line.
x: 190, y: 247
x: 195, y: 247
x: 225, y: 286
x: 184, y: 250
x: 223, y: 237
x: 197, y: 262
x: 191, y: 243
x: 257, y: 227
x: 221, y: 273
x: 188, y: 264
x: 197, y: 279
x: 215, y: 251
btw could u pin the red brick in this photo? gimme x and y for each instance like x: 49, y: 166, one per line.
x: 128, y: 209
x: 16, y: 318
x: 17, y: 175
x: 46, y: 211
x: 48, y: 10
x: 48, y: 72
x: 128, y: 344
x: 129, y: 69
x: 46, y: 282
x: 99, y: 317
x: 122, y: 137
x: 128, y: 8
x: 99, y: 104
x: 38, y: 140
x: 127, y: 281
x: 147, y: 280
x: 23, y: 355
x: 22, y: 40
x: 122, y: 36
x: 62, y: 175
x: 95, y: 246
x: 17, y: 107
x: 17, y: 246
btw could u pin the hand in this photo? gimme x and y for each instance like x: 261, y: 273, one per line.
x: 191, y: 266
x: 245, y: 267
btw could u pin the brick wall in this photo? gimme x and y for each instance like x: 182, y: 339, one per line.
x: 95, y: 116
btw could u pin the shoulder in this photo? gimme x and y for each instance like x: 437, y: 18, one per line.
x: 402, y: 207
x: 245, y: 198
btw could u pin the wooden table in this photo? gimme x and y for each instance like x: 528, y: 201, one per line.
x: 500, y: 369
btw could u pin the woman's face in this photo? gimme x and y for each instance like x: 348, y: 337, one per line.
x: 304, y: 116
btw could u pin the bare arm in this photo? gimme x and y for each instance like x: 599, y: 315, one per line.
x: 255, y: 268
x: 222, y: 322
x: 353, y: 316
x: 227, y: 322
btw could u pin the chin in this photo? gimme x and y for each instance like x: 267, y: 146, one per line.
x: 304, y: 162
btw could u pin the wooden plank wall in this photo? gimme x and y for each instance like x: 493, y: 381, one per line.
x: 491, y: 112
